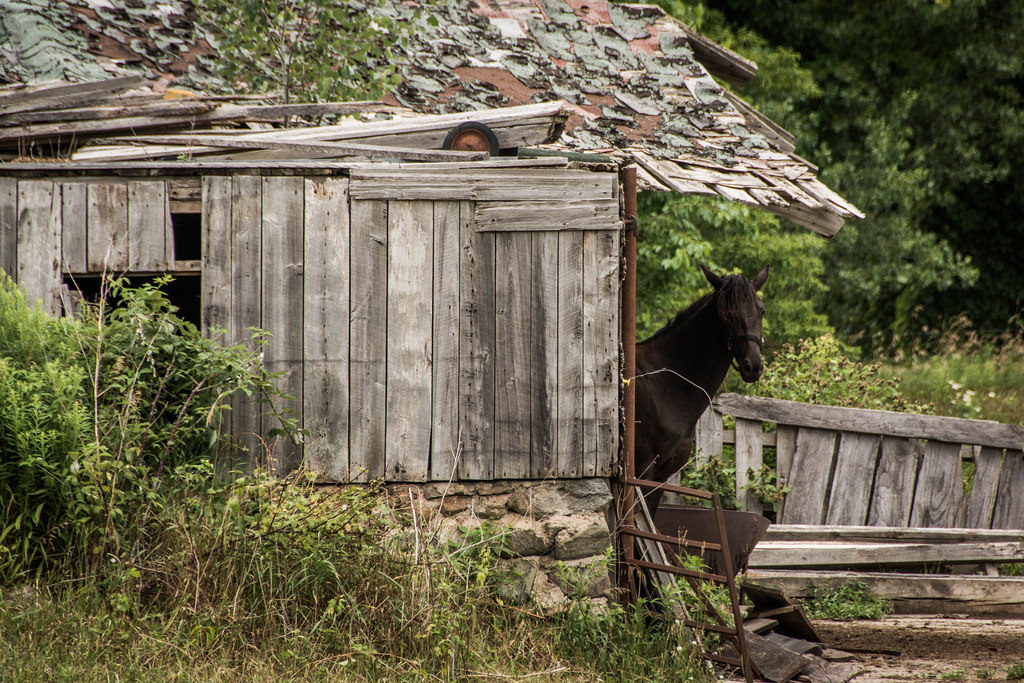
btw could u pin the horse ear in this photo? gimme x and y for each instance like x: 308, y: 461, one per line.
x: 715, y: 280
x: 760, y: 279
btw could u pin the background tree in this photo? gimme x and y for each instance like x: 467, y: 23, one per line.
x: 303, y: 50
x: 918, y: 120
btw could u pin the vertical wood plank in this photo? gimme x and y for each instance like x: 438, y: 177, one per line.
x: 108, y: 228
x: 894, y: 482
x: 368, y: 339
x: 445, y: 448
x: 512, y: 298
x: 147, y: 233
x: 74, y: 230
x: 939, y: 492
x: 601, y: 351
x: 325, y: 320
x: 544, y: 358
x: 707, y: 440
x: 39, y: 212
x: 850, y: 498
x: 282, y: 263
x: 785, y: 448
x: 409, y: 326
x: 244, y: 205
x: 569, y: 423
x: 476, y: 352
x: 215, y: 291
x: 9, y: 226
x: 216, y: 303
x: 748, y: 457
x: 1008, y: 512
x: 988, y: 463
x: 809, y: 477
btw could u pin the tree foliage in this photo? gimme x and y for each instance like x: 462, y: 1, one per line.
x: 917, y: 120
x: 677, y: 234
x: 305, y: 50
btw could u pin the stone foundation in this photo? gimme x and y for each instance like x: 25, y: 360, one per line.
x: 557, y: 543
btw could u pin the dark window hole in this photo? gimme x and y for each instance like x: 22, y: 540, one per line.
x: 188, y: 236
x: 183, y: 292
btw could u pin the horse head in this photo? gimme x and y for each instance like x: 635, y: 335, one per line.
x: 739, y: 311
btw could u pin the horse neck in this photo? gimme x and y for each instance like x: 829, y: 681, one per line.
x: 696, y: 348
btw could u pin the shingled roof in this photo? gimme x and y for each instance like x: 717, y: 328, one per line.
x: 637, y: 82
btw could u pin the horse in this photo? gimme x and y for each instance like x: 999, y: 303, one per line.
x: 681, y: 366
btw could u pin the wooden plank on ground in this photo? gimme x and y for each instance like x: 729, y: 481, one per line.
x: 445, y: 447
x: 282, y: 302
x: 108, y: 228
x: 854, y: 471
x: 368, y: 337
x: 74, y: 227
x: 513, y: 256
x: 809, y: 477
x: 895, y: 478
x: 569, y: 424
x: 601, y: 350
x: 940, y: 491
x: 988, y: 463
x: 748, y: 457
x: 244, y: 205
x: 544, y: 357
x: 410, y: 286
x: 147, y: 240
x: 1009, y: 508
x: 325, y: 339
x: 850, y: 554
x: 9, y: 226
x: 886, y: 534
x: 907, y: 425
x: 912, y: 593
x: 39, y: 213
x: 476, y: 352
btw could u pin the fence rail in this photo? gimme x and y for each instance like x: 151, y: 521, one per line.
x: 846, y: 466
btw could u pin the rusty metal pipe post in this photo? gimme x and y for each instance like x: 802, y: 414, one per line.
x: 627, y: 177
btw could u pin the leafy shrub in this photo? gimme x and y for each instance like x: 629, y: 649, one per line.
x: 95, y: 413
x: 849, y: 601
x: 821, y: 371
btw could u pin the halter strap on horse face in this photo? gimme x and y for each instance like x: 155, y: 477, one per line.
x: 746, y: 337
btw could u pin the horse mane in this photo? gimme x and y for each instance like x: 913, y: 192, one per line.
x: 729, y: 292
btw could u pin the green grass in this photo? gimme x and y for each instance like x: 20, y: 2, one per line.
x: 846, y: 602
x: 968, y: 377
x: 262, y: 581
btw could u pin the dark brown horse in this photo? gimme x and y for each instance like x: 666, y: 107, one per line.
x: 681, y: 366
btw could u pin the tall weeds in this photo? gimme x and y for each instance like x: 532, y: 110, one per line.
x: 128, y: 552
x: 95, y: 413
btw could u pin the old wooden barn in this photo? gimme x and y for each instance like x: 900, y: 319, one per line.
x: 437, y: 322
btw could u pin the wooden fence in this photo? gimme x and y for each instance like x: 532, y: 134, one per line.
x: 437, y: 322
x: 848, y: 466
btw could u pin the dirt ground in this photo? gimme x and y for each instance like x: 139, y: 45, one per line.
x: 922, y: 648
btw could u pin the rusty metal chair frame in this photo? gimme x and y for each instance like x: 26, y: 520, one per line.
x: 629, y: 531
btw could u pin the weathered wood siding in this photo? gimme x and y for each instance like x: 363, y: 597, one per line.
x: 431, y: 325
x: 847, y: 466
